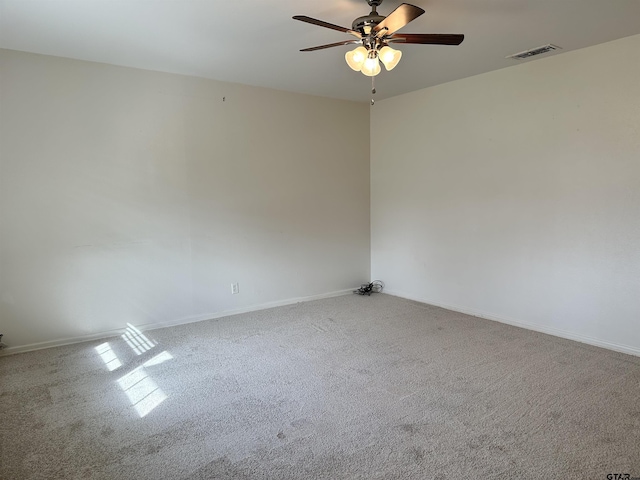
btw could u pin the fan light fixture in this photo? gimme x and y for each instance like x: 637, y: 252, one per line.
x: 368, y: 61
x: 371, y: 66
x: 390, y: 57
x: 355, y: 58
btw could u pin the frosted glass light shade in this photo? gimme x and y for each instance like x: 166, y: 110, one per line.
x: 371, y: 67
x: 356, y: 58
x: 390, y: 57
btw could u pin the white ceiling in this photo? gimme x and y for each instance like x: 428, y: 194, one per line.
x: 256, y: 42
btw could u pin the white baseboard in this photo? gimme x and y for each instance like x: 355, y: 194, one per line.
x: 529, y: 326
x: 182, y: 321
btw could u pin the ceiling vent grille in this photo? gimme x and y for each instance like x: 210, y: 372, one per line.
x: 534, y: 51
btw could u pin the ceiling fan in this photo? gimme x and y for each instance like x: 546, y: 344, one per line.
x: 375, y: 32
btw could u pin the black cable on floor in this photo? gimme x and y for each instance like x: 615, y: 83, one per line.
x: 368, y: 288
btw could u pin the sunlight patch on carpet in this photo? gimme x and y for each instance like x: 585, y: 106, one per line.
x: 158, y: 359
x: 143, y: 392
x: 108, y: 356
x: 137, y: 340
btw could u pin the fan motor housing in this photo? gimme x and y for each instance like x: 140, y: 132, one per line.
x: 360, y: 24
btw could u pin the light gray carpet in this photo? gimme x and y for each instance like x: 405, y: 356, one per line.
x: 345, y: 388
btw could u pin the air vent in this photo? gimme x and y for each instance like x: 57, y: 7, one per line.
x: 534, y: 51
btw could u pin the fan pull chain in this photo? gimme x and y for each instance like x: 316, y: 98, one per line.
x: 373, y: 89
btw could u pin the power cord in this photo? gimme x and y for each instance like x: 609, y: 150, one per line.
x: 368, y: 288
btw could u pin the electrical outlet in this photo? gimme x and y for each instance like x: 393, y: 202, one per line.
x: 235, y: 289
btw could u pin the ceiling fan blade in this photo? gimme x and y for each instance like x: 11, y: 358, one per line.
x: 397, y: 19
x: 320, y: 23
x: 427, y: 38
x: 337, y: 44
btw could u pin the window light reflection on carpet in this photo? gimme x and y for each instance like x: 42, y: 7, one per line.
x: 137, y: 340
x: 158, y: 359
x: 143, y: 393
x: 108, y: 356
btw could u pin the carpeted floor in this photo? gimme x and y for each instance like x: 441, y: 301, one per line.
x: 345, y: 388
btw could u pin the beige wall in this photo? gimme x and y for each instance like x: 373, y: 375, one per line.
x: 516, y: 194
x: 137, y: 196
